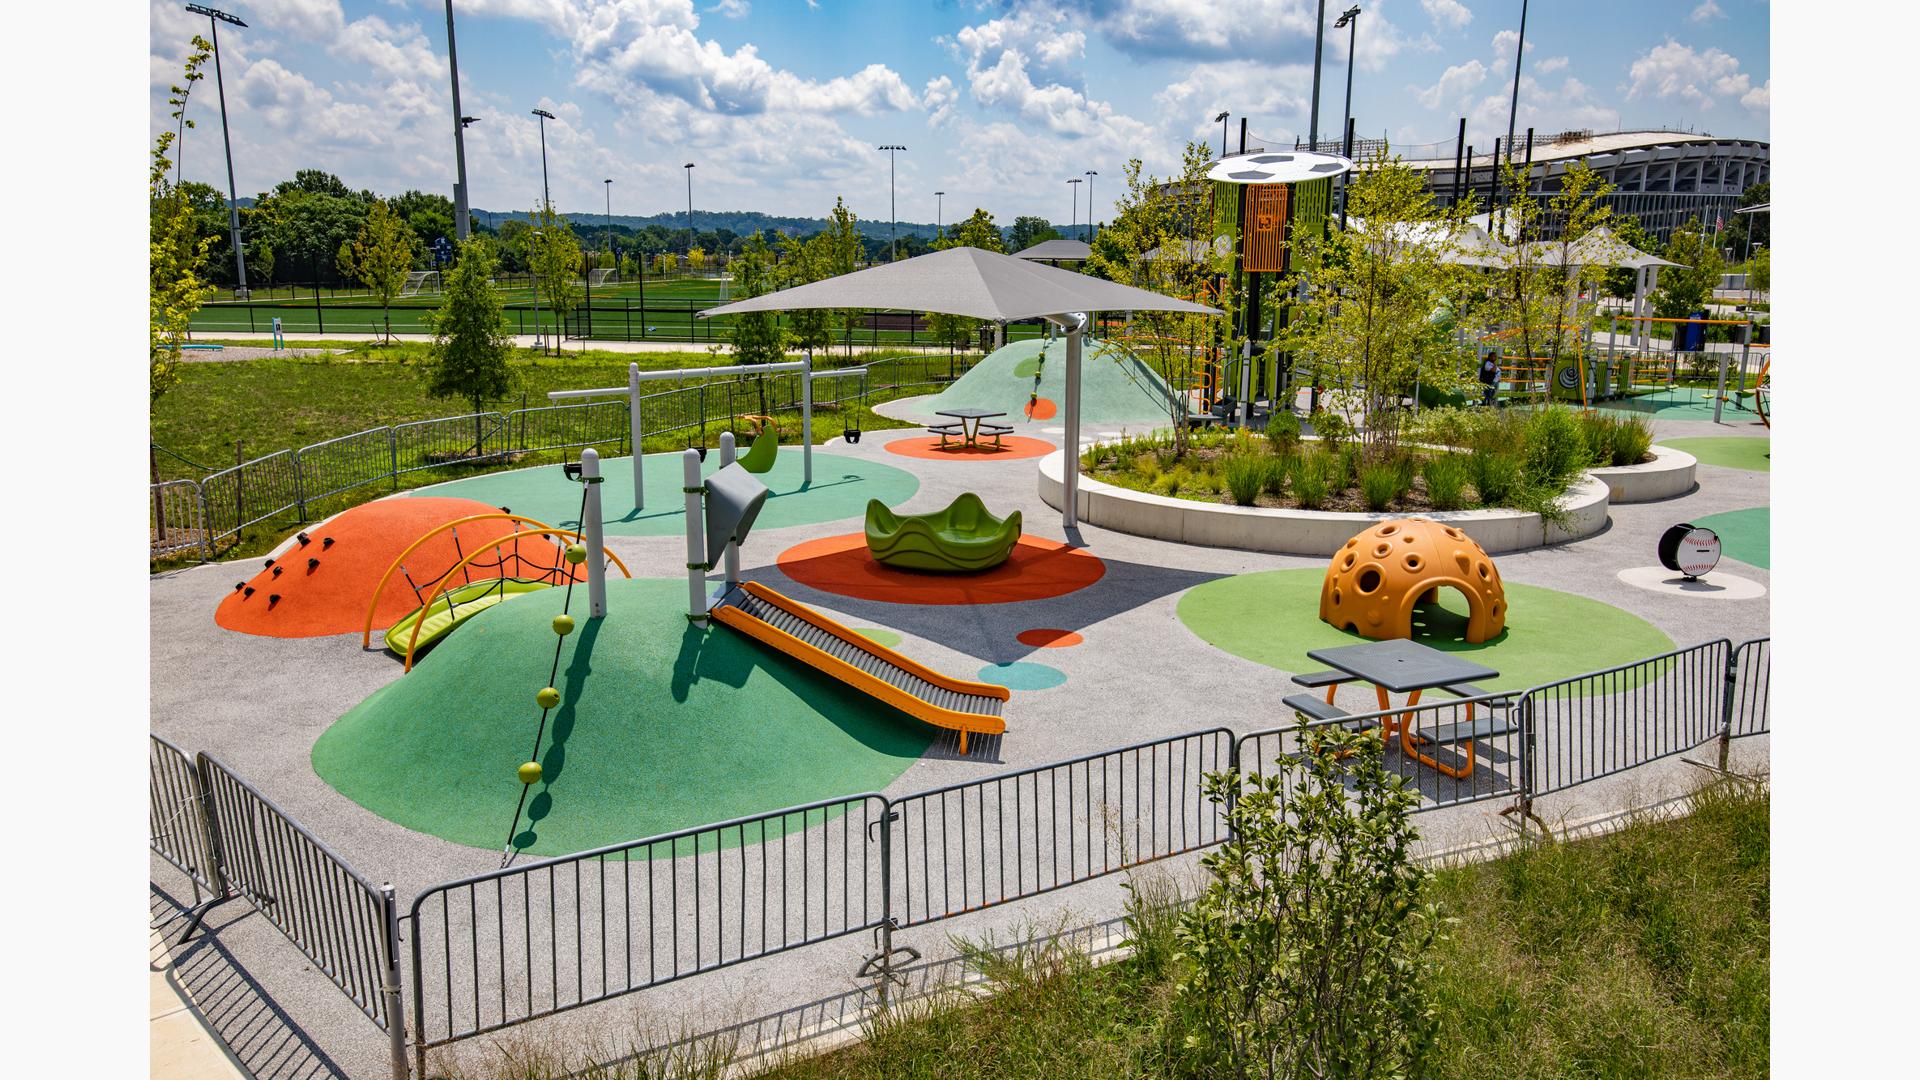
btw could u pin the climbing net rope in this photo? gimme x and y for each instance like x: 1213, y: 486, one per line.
x: 523, y: 568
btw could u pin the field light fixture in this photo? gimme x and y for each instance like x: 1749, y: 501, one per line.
x: 214, y: 18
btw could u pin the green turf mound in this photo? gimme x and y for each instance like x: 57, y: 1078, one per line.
x: 841, y: 488
x: 1115, y: 386
x: 1746, y: 535
x: 1272, y: 618
x: 1729, y: 451
x: 661, y: 726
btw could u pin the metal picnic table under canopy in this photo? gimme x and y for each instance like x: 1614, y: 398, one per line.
x: 979, y: 284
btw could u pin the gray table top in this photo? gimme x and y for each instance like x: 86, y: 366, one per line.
x: 1402, y: 666
x: 969, y: 414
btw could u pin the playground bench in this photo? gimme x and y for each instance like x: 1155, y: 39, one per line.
x: 1468, y: 690
x: 1313, y: 680
x: 1313, y: 708
x: 1485, y: 727
x: 943, y: 430
x: 995, y: 430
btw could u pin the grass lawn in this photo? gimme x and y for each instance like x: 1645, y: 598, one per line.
x: 279, y: 403
x: 1639, y: 954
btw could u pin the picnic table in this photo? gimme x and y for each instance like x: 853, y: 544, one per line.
x: 971, y: 424
x: 1406, y: 667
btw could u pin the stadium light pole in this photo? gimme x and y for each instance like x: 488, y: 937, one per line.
x: 1350, y: 21
x: 1313, y: 118
x: 1513, y: 108
x: 689, y: 167
x: 1074, y: 220
x: 1223, y: 132
x: 1091, y: 173
x: 546, y: 195
x: 460, y: 122
x: 611, y: 260
x: 940, y: 212
x: 893, y: 226
x: 214, y: 18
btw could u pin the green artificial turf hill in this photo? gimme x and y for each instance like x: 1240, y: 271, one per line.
x: 1115, y: 386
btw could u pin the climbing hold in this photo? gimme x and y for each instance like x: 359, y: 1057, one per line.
x: 277, y: 569
x: 272, y: 599
x: 248, y: 591
x: 563, y: 625
x: 313, y: 564
x: 238, y: 585
x: 304, y: 539
x: 576, y: 553
x: 326, y: 542
x: 269, y: 562
x: 529, y: 773
x: 547, y: 698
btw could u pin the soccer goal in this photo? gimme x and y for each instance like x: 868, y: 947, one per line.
x: 421, y: 281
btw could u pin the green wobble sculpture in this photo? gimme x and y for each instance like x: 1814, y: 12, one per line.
x: 961, y: 539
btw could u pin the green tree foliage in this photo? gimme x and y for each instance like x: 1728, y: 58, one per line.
x: 979, y: 231
x: 757, y: 336
x: 843, y: 252
x: 1734, y: 237
x: 430, y: 216
x: 1760, y: 271
x: 1617, y: 282
x: 470, y: 341
x: 553, y: 255
x: 306, y: 229
x: 1029, y: 230
x: 1310, y: 950
x: 807, y: 261
x: 381, y: 257
x: 1155, y: 215
x: 176, y: 252
x: 1366, y: 316
x: 1682, y: 290
x: 1534, y: 295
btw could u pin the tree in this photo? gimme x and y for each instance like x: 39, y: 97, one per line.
x: 470, y: 341
x: 696, y: 259
x: 1682, y: 290
x: 843, y: 250
x: 807, y: 261
x: 553, y: 254
x: 757, y: 336
x: 1311, y: 949
x: 381, y: 257
x: 307, y: 228
x: 1029, y: 230
x: 1618, y: 282
x: 176, y: 252
x: 1760, y: 271
x: 430, y: 216
x: 1536, y: 292
x: 1735, y: 236
x: 979, y: 231
x: 1369, y: 296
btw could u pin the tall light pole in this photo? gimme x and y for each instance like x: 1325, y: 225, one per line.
x: 1350, y: 19
x: 1073, y: 222
x: 546, y: 195
x: 1091, y: 173
x: 1513, y: 108
x: 611, y: 261
x: 460, y: 122
x: 1223, y: 132
x: 689, y: 168
x: 214, y: 18
x: 893, y: 225
x: 1313, y: 119
x: 939, y: 212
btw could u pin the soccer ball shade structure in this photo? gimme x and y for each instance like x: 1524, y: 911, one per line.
x: 981, y: 284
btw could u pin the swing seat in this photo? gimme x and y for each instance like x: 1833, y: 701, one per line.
x: 766, y: 445
x: 961, y: 539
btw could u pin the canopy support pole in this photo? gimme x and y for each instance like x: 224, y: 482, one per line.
x: 1075, y: 325
x: 696, y: 537
x: 806, y: 423
x: 591, y: 535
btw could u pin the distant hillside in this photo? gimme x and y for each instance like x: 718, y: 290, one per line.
x: 739, y: 222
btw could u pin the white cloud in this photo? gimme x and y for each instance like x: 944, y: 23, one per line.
x: 1262, y: 92
x: 1760, y: 98
x: 1454, y: 84
x: 1004, y: 55
x: 1706, y: 12
x: 940, y: 98
x: 1547, y: 65
x: 1671, y: 71
x: 732, y: 9
x: 1449, y: 13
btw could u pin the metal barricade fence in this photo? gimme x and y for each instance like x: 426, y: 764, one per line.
x: 1748, y: 688
x: 1474, y: 748
x: 473, y: 439
x: 343, y: 464
x: 251, y: 492
x: 339, y: 920
x: 178, y: 827
x: 177, y: 519
x: 978, y: 844
x: 497, y: 949
x: 563, y: 427
x: 1594, y: 725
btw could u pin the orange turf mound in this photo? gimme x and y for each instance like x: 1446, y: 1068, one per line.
x: 1041, y: 409
x: 1036, y: 570
x: 1012, y: 448
x: 332, y: 597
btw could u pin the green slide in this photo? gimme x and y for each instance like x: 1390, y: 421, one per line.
x: 961, y: 539
x: 759, y: 457
x: 453, y: 607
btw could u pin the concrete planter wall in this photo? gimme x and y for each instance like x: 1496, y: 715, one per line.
x: 1304, y: 532
x: 1670, y: 473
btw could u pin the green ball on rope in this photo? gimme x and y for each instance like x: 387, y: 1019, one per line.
x: 547, y: 698
x: 529, y: 773
x: 563, y: 625
x: 576, y: 553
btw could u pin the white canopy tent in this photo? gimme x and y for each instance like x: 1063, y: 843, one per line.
x: 983, y: 285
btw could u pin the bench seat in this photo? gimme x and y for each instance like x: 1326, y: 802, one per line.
x: 1313, y: 708
x: 1469, y: 690
x: 1316, y: 679
x: 1486, y: 727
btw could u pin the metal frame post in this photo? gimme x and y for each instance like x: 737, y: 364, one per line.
x: 731, y: 560
x: 806, y: 422
x: 1719, y: 384
x: 591, y: 534
x: 1728, y: 688
x: 390, y: 987
x: 1075, y: 324
x: 697, y: 566
x: 634, y: 433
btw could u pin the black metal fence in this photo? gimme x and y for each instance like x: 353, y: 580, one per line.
x: 543, y: 937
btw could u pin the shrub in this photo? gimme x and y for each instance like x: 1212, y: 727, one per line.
x: 1621, y: 440
x: 1405, y: 468
x: 1308, y: 478
x: 1332, y: 428
x: 1446, y: 476
x: 1283, y: 432
x: 1556, y: 447
x: 1276, y: 475
x: 1496, y: 476
x: 1245, y: 474
x: 1379, y: 484
x: 1311, y: 951
x: 1450, y: 425
x: 1346, y: 469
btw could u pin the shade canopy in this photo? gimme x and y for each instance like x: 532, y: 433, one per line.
x: 965, y: 281
x: 1057, y: 250
x: 1601, y: 247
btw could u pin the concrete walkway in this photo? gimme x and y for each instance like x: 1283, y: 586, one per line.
x: 180, y: 1043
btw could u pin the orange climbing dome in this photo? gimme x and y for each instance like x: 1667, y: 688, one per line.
x: 1377, y: 577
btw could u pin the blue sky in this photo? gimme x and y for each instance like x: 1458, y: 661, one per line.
x: 780, y: 103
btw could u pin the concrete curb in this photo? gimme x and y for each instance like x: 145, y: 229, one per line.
x: 1306, y: 532
x: 1669, y: 474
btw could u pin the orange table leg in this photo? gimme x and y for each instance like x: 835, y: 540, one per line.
x: 1403, y: 727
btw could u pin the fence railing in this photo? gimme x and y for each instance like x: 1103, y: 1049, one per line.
x: 177, y: 520
x: 547, y: 936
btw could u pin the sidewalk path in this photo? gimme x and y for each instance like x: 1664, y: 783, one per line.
x: 180, y: 1045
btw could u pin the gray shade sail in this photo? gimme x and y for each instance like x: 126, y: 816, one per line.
x: 965, y: 281
x: 1059, y: 250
